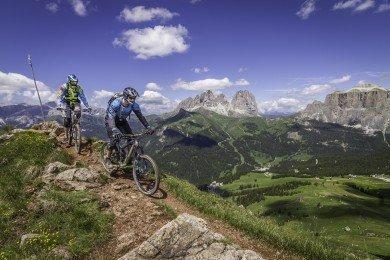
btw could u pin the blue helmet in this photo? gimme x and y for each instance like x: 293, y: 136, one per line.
x: 72, y: 79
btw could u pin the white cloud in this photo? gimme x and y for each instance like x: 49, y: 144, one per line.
x: 383, y: 7
x: 343, y: 79
x: 16, y: 88
x: 346, y: 4
x: 281, y: 105
x: 356, y: 5
x: 153, y: 86
x: 153, y: 102
x: 52, y: 7
x: 365, y: 5
x: 79, y: 7
x: 208, y: 84
x: 307, y: 8
x: 141, y: 14
x: 194, y: 1
x: 100, y: 98
x: 241, y: 82
x: 242, y: 69
x: 200, y: 70
x: 157, y: 41
x: 315, y: 89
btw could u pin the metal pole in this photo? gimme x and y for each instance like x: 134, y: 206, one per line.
x: 36, y: 87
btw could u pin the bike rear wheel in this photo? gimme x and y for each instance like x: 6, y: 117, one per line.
x: 77, y: 138
x: 69, y: 135
x: 146, y: 174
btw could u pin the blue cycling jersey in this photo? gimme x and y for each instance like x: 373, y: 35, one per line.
x: 115, y: 109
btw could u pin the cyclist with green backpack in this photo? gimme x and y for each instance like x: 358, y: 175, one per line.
x: 70, y: 94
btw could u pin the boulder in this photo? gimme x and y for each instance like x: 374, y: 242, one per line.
x: 27, y: 237
x: 78, y: 174
x: 187, y: 237
x: 61, y: 252
x: 55, y: 167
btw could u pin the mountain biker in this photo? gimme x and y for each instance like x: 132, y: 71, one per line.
x: 69, y: 97
x: 119, y: 109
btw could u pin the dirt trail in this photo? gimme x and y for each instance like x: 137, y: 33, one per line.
x: 137, y: 216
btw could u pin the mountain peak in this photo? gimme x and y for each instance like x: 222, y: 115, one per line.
x: 242, y: 104
x: 366, y: 87
x: 367, y: 105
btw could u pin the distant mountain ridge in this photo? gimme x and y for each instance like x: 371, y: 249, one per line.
x: 366, y: 106
x: 242, y: 104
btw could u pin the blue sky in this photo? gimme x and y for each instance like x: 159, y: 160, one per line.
x: 287, y: 53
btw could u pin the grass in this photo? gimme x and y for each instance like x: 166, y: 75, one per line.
x: 168, y: 210
x: 263, y: 228
x: 71, y: 219
x: 331, y: 208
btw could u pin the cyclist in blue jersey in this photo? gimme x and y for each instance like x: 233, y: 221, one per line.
x: 119, y: 109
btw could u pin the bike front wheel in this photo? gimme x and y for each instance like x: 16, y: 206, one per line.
x: 146, y: 174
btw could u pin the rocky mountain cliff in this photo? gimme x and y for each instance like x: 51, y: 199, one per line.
x: 365, y: 106
x: 242, y: 104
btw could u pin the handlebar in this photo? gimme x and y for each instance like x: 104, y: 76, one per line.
x: 62, y: 109
x: 135, y: 135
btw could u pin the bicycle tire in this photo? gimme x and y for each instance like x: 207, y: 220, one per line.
x: 136, y: 176
x: 70, y: 135
x: 77, y: 139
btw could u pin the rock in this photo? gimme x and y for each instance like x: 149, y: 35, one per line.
x: 187, y: 237
x: 5, y: 137
x: 124, y: 242
x: 242, y: 104
x: 347, y: 228
x: 71, y: 179
x: 365, y: 106
x: 61, y: 252
x: 32, y: 172
x: 78, y: 174
x: 26, y: 237
x: 50, y: 127
x: 55, y: 167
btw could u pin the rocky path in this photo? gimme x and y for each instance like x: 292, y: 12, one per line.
x: 138, y: 217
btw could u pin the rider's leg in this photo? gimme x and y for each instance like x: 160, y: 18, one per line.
x: 66, y: 114
x: 111, y: 138
x: 77, y: 110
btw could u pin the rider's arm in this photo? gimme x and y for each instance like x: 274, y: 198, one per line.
x: 111, y: 113
x: 141, y: 118
x: 60, y: 94
x: 83, y: 98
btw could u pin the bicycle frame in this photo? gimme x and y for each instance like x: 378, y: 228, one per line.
x: 133, y: 149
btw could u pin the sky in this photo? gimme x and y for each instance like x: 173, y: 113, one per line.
x: 287, y: 53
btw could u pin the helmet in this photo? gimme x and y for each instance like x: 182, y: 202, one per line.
x: 130, y: 92
x: 72, y: 79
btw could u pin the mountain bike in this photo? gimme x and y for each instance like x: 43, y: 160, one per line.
x: 128, y: 150
x: 73, y: 132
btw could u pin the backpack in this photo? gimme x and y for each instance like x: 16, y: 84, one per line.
x: 115, y: 96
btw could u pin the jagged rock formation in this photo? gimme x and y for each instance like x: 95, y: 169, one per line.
x: 187, y: 237
x: 365, y: 105
x: 242, y: 104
